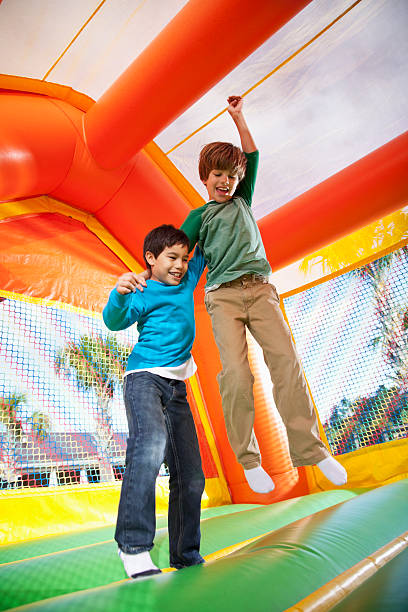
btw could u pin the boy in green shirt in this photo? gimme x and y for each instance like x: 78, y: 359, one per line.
x: 239, y: 296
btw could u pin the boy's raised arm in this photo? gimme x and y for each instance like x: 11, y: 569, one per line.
x: 235, y: 104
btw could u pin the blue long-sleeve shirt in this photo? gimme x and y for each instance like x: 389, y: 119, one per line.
x: 165, y: 317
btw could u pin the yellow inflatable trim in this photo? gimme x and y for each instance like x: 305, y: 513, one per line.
x: 372, y: 466
x: 27, y: 514
x: 334, y: 591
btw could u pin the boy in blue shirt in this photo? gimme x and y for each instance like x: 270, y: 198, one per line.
x: 160, y: 422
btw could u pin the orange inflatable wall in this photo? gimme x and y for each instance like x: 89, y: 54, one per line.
x: 56, y: 142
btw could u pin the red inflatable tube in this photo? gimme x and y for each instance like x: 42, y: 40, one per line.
x: 200, y: 46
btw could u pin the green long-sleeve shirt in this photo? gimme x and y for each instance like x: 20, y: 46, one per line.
x: 227, y: 233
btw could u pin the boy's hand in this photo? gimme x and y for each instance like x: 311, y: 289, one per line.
x: 130, y: 281
x: 235, y: 104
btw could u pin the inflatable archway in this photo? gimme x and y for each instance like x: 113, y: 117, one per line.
x: 81, y: 183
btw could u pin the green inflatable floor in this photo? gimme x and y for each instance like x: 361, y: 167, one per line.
x: 300, y: 544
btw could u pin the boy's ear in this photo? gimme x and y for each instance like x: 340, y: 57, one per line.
x: 150, y: 258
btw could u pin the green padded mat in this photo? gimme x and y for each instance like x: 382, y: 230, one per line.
x: 95, y: 563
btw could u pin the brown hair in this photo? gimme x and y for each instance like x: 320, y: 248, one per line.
x: 221, y: 156
x: 161, y: 237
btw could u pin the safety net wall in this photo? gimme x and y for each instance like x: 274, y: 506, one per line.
x: 61, y: 412
x: 352, y: 336
x: 62, y: 419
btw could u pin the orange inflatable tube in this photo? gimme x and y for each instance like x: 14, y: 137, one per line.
x: 200, y: 46
x: 369, y: 189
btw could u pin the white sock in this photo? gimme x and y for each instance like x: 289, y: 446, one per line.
x: 333, y: 470
x: 138, y: 564
x: 259, y: 480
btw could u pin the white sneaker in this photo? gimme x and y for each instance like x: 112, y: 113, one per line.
x: 259, y: 480
x: 333, y: 470
x: 139, y: 564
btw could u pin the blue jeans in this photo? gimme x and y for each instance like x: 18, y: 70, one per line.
x: 161, y: 427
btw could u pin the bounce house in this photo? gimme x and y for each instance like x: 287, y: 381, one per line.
x: 104, y: 107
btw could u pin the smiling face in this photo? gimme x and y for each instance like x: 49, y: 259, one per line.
x: 170, y: 266
x: 221, y: 185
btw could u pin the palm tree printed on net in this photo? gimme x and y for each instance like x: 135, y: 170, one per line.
x: 97, y: 363
x: 39, y: 422
x: 383, y: 416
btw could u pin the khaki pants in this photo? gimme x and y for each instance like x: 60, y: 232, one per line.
x: 250, y: 301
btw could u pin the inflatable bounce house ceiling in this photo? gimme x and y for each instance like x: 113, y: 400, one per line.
x: 104, y: 106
